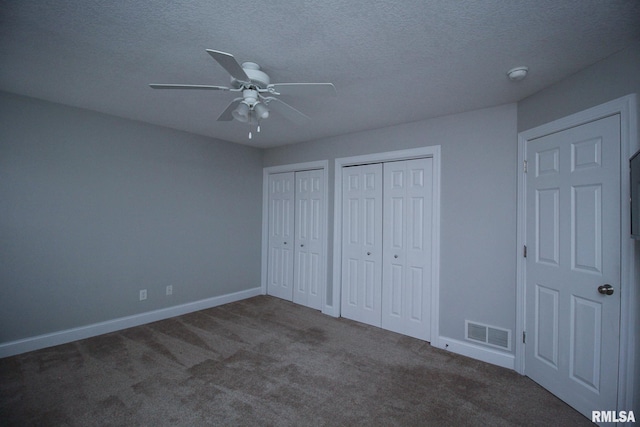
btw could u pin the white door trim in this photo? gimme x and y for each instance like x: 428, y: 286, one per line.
x: 296, y: 167
x: 627, y: 108
x: 414, y: 153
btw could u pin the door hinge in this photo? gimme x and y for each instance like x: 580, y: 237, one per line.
x: 524, y: 251
x: 524, y: 164
x: 524, y: 337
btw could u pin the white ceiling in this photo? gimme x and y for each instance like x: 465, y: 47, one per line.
x: 391, y: 62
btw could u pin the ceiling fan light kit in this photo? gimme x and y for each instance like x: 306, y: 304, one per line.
x: 258, y: 93
x: 261, y: 111
x: 241, y: 113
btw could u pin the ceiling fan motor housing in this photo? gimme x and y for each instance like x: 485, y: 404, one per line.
x: 257, y: 76
x: 250, y: 97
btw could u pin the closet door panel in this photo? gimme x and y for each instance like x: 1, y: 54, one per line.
x: 309, y: 230
x: 362, y: 243
x: 406, y: 266
x: 281, y: 229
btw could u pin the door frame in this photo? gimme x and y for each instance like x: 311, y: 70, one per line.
x: 414, y: 153
x: 626, y: 106
x: 296, y: 167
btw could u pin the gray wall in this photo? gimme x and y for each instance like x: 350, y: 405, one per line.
x: 94, y: 208
x: 611, y: 78
x: 478, y: 205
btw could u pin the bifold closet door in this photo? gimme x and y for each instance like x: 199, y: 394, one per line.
x: 362, y: 243
x: 387, y: 217
x: 406, y: 264
x: 296, y: 263
x: 281, y: 241
x: 309, y: 230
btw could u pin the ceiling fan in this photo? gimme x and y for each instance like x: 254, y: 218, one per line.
x: 259, y: 95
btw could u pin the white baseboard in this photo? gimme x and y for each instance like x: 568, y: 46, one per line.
x: 62, y: 337
x: 484, y: 354
x: 330, y: 311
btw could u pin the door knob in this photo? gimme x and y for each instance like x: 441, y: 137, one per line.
x: 368, y: 253
x: 605, y: 289
x: 301, y: 245
x: 395, y: 256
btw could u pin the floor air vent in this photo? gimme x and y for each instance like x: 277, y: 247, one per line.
x: 490, y: 335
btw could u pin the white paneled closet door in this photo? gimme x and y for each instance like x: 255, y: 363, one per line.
x: 296, y: 263
x: 281, y: 229
x: 362, y: 243
x: 406, y: 265
x: 309, y: 230
x: 387, y: 223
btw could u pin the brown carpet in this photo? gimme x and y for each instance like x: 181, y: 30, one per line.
x: 264, y: 361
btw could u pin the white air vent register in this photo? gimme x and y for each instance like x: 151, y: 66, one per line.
x: 489, y: 335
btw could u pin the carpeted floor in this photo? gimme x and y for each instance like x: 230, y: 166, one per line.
x: 265, y: 361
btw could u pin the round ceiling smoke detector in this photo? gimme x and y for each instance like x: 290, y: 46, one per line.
x: 517, y: 74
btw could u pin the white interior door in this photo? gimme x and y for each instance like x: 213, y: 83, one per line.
x: 362, y: 243
x: 406, y: 268
x: 573, y: 237
x: 281, y: 233
x: 309, y: 230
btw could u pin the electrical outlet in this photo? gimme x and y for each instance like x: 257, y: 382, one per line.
x: 169, y: 289
x: 143, y: 294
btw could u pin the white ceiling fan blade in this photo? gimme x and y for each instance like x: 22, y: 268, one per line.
x: 286, y: 110
x: 302, y: 89
x: 229, y: 63
x: 226, y: 115
x: 172, y: 86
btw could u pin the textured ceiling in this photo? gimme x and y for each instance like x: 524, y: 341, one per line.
x: 391, y: 62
